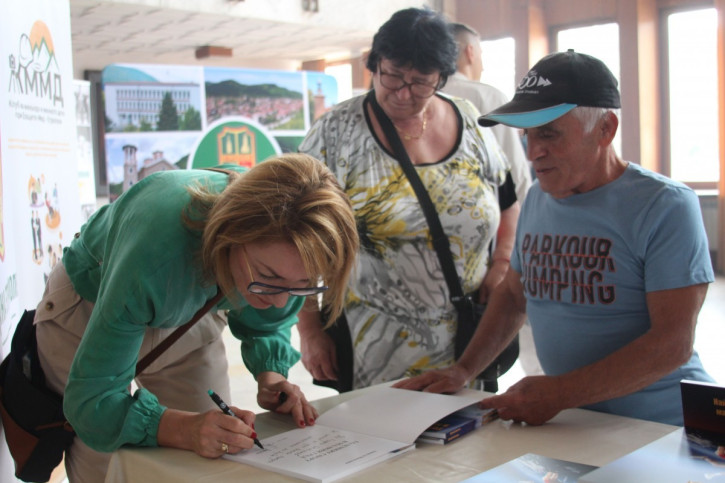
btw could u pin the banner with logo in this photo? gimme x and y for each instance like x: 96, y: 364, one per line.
x: 180, y: 117
x: 40, y: 205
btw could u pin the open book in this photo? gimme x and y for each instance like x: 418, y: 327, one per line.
x: 379, y: 424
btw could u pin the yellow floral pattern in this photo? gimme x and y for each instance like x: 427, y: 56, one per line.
x: 400, y: 318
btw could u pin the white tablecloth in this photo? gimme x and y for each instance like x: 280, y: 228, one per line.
x: 575, y: 435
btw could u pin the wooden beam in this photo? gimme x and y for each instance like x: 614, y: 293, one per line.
x: 213, y: 51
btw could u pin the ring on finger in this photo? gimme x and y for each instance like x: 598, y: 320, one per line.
x: 225, y: 447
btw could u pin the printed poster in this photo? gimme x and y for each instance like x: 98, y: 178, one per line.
x: 40, y: 205
x: 161, y: 117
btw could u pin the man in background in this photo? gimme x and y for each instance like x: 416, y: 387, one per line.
x: 464, y: 83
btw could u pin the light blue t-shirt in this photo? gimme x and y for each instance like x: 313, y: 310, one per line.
x: 587, y: 262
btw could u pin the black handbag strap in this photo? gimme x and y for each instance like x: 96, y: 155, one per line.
x: 440, y: 240
x: 166, y: 343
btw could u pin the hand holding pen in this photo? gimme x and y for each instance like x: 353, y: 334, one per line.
x: 223, y: 406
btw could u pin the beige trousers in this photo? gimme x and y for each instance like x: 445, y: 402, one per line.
x: 180, y: 377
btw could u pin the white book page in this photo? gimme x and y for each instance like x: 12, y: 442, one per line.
x: 396, y: 414
x: 381, y: 423
x: 319, y: 453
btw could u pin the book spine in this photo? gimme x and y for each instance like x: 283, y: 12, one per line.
x: 470, y: 425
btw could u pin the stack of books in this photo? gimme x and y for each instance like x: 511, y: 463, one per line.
x: 456, y: 424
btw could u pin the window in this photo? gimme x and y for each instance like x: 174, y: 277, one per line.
x: 600, y: 41
x: 343, y: 75
x: 499, y: 64
x: 693, y: 94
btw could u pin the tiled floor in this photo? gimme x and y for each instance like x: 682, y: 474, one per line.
x: 709, y: 342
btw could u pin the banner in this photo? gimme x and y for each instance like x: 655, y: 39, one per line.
x: 40, y: 205
x: 161, y: 117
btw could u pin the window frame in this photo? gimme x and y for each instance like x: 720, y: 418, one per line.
x: 665, y: 163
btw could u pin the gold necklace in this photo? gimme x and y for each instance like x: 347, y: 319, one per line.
x: 407, y: 136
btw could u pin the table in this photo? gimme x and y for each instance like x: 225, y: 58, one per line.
x: 576, y: 435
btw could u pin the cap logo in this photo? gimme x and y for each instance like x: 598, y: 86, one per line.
x: 533, y: 79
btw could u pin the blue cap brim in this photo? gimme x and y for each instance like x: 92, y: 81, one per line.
x: 526, y: 120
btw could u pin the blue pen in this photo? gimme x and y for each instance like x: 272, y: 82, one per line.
x: 223, y: 406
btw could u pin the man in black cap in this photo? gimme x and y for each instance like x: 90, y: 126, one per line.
x: 611, y: 263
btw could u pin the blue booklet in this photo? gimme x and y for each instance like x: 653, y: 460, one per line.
x: 448, y: 429
x: 456, y: 424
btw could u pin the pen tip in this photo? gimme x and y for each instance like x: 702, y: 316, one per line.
x: 210, y: 392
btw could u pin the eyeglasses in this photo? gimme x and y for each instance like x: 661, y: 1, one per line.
x: 395, y: 82
x: 259, y: 288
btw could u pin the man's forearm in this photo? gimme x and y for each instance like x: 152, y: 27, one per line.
x: 658, y: 352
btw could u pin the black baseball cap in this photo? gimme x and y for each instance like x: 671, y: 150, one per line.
x: 554, y: 86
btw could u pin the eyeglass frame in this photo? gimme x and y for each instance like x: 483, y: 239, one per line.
x: 405, y: 84
x: 277, y: 289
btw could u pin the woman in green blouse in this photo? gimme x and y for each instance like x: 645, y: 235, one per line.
x: 144, y: 264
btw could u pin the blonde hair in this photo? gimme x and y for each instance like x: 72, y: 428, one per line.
x: 291, y: 198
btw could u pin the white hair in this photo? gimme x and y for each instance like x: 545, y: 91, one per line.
x: 590, y: 116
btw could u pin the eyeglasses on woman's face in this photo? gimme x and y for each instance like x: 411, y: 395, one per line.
x: 395, y: 82
x: 259, y: 288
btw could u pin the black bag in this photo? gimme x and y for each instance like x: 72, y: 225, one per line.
x: 36, y: 431
x: 340, y: 334
x: 469, y: 314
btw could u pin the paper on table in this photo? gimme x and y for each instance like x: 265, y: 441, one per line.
x: 396, y: 414
x: 320, y: 453
x: 356, y: 434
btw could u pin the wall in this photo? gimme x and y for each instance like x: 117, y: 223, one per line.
x: 644, y: 138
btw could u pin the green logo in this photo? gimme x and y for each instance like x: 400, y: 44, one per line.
x: 234, y: 140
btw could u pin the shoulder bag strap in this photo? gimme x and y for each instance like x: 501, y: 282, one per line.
x: 440, y: 240
x: 166, y: 343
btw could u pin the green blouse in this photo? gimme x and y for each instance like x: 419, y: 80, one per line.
x: 138, y: 262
